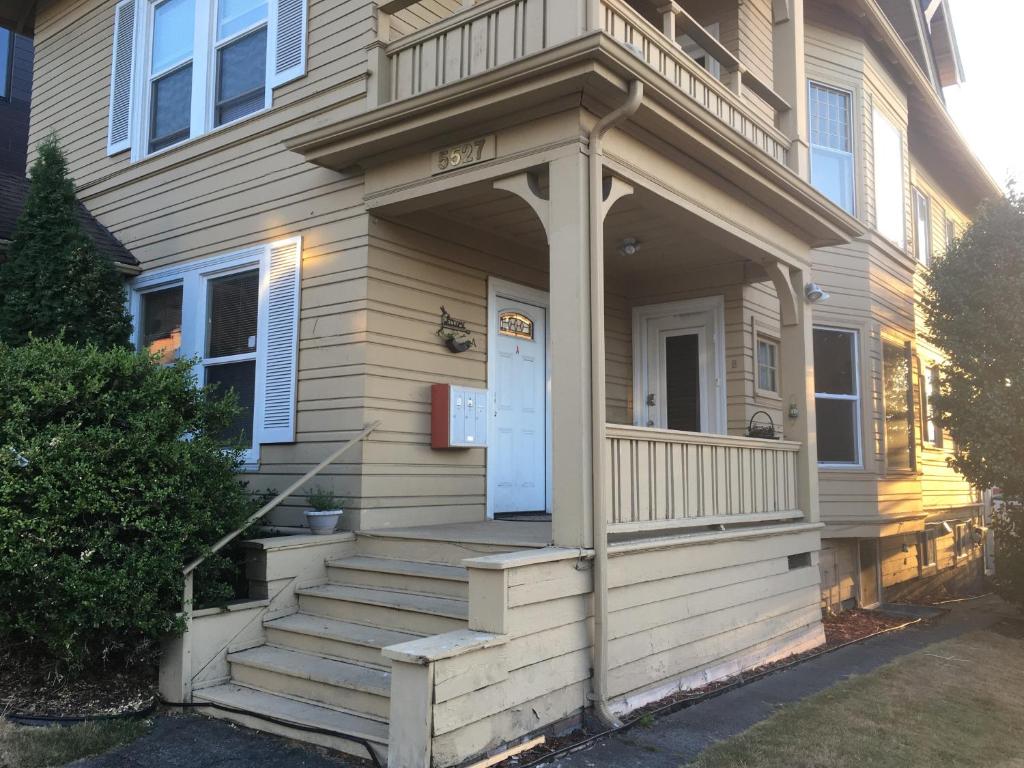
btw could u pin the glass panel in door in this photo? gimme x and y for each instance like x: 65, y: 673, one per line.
x: 682, y: 382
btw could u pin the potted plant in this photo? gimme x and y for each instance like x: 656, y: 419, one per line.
x: 325, y: 512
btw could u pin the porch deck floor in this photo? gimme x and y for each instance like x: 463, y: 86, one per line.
x: 499, y: 532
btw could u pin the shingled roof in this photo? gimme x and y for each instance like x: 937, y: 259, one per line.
x: 14, y: 190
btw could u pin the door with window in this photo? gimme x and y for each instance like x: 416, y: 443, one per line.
x: 680, y: 380
x: 517, y: 457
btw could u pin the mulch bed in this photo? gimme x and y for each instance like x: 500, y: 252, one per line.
x: 846, y: 627
x: 31, y: 687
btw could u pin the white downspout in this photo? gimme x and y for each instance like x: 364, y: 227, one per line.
x: 597, y: 391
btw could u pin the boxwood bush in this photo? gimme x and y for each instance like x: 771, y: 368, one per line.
x: 112, y: 476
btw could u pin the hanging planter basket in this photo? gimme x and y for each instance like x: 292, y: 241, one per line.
x: 763, y: 429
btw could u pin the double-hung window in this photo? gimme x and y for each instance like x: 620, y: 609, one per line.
x: 236, y: 316
x: 922, y: 228
x: 890, y: 217
x: 767, y: 365
x: 184, y: 67
x: 837, y: 397
x: 831, y: 136
x: 929, y: 388
x: 899, y: 406
x: 950, y: 232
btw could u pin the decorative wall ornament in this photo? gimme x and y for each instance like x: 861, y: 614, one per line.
x: 515, y: 324
x: 454, y: 332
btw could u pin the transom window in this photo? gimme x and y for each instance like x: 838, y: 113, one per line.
x: 831, y: 138
x: 767, y: 365
x: 207, y: 66
x: 837, y: 396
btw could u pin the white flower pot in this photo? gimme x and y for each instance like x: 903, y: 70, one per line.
x: 323, y: 522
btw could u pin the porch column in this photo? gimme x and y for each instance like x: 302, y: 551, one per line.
x: 570, y: 331
x: 797, y: 375
x: 790, y: 79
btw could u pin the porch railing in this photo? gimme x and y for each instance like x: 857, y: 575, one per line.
x: 661, y: 479
x: 493, y: 33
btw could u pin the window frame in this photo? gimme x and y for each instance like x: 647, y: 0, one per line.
x: 950, y: 230
x: 856, y: 399
x: 204, y: 73
x: 878, y: 115
x: 907, y: 349
x: 194, y: 277
x: 959, y: 550
x: 850, y: 101
x: 929, y: 549
x: 759, y: 339
x: 8, y: 66
x: 928, y: 423
x: 920, y: 201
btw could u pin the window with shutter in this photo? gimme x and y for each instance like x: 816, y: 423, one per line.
x: 122, y: 71
x: 238, y: 314
x: 203, y: 64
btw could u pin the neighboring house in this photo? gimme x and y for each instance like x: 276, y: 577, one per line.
x: 15, y: 95
x: 613, y: 200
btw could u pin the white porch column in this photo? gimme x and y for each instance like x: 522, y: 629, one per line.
x: 797, y: 374
x: 570, y: 331
x: 790, y: 79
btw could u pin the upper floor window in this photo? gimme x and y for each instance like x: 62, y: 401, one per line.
x: 950, y: 228
x: 890, y: 215
x: 929, y: 389
x: 183, y: 67
x: 922, y: 228
x: 6, y: 62
x: 831, y: 136
x: 837, y: 396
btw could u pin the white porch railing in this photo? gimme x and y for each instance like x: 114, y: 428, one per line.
x: 493, y: 33
x: 663, y: 479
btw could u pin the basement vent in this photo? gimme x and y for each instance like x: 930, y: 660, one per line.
x: 802, y: 560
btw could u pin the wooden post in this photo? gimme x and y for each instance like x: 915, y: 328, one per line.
x: 378, y: 67
x: 790, y: 80
x: 186, y: 640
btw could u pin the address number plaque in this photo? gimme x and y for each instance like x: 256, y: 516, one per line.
x: 463, y: 154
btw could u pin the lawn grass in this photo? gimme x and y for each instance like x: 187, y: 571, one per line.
x: 958, y: 703
x: 22, y: 747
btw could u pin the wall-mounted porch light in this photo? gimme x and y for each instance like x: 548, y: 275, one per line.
x: 815, y: 293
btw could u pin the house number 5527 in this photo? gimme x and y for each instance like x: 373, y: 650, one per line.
x: 465, y: 153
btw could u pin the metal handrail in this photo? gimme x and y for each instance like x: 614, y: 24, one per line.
x: 276, y: 501
x: 189, y: 570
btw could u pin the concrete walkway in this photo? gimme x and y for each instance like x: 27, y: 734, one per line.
x: 677, y: 739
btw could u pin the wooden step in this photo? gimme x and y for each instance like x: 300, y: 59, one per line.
x: 400, y: 547
x: 354, y: 687
x: 388, y: 609
x: 290, y: 715
x: 409, y: 575
x: 329, y: 637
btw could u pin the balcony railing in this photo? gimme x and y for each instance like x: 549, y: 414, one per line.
x: 494, y: 33
x: 660, y: 479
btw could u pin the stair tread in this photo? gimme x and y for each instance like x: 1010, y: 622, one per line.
x: 343, y: 631
x: 402, y: 567
x: 292, y: 710
x: 308, y: 666
x: 451, y: 607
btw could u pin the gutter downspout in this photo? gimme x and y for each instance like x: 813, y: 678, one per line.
x: 597, y: 391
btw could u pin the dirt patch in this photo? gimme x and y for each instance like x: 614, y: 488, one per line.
x: 856, y: 624
x: 31, y: 686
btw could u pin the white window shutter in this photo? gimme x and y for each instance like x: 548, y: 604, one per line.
x: 283, y: 272
x: 288, y: 35
x: 119, y: 128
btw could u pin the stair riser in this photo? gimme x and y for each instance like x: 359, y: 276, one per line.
x: 360, y: 578
x: 276, y: 682
x: 379, y: 616
x: 426, y: 551
x: 330, y: 742
x: 324, y: 646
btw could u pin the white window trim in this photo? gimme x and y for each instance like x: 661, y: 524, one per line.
x: 204, y: 49
x: 916, y: 196
x: 855, y: 398
x: 855, y: 191
x: 767, y: 339
x: 876, y: 116
x: 194, y: 277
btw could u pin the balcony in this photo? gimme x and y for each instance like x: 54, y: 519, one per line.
x: 489, y: 35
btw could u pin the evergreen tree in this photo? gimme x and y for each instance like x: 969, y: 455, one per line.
x: 54, y: 281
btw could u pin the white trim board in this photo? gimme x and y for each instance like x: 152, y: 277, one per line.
x: 496, y: 287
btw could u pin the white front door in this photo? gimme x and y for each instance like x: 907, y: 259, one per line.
x: 517, y: 460
x: 679, y: 367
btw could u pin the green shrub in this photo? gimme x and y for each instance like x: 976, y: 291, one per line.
x: 111, y: 478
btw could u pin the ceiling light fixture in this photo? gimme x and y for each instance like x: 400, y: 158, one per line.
x: 629, y: 247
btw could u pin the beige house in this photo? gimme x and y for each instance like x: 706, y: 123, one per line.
x: 603, y: 228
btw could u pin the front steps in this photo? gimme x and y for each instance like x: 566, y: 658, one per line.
x: 320, y: 673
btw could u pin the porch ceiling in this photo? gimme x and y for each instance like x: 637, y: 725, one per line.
x: 669, y: 241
